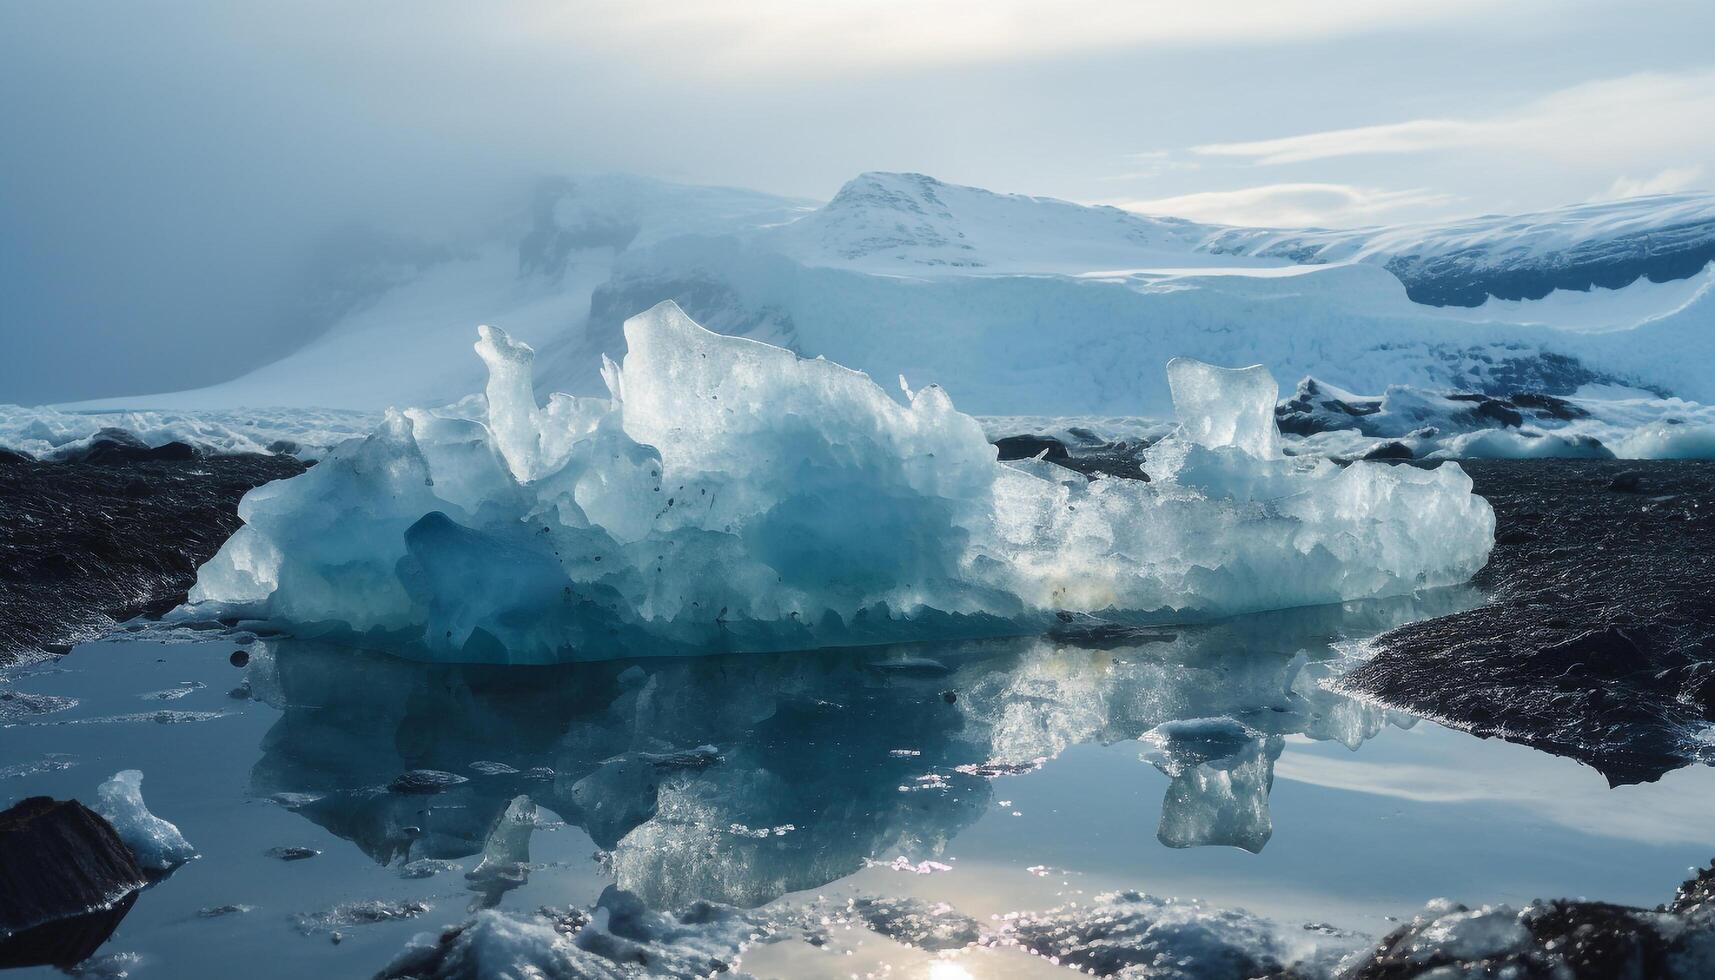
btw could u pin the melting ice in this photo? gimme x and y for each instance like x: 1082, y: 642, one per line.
x: 730, y: 495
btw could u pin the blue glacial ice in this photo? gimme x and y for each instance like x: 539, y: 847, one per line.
x: 733, y: 496
x: 157, y: 843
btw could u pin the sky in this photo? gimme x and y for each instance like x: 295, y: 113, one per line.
x: 172, y: 173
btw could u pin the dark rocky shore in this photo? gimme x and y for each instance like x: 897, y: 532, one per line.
x: 117, y: 532
x: 1599, y: 641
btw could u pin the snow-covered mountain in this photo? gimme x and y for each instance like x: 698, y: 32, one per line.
x: 1025, y: 305
x: 1606, y: 245
x: 882, y: 222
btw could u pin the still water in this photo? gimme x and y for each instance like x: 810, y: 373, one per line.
x: 1210, y: 761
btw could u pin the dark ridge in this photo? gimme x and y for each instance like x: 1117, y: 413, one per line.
x: 1599, y: 643
x: 1461, y: 279
x: 115, y: 534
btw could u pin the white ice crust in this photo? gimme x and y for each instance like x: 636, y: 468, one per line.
x: 730, y: 495
x: 1220, y: 406
x: 157, y: 843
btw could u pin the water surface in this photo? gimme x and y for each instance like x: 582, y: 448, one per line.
x: 1209, y: 762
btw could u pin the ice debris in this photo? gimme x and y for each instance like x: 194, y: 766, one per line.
x: 157, y: 843
x: 733, y: 496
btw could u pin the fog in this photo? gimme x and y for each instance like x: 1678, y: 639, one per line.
x: 172, y: 175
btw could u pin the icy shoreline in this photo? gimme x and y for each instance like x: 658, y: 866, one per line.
x: 732, y: 496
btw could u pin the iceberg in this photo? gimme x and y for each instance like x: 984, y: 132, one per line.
x: 732, y: 496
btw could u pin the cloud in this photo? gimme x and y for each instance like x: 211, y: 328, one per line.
x: 1636, y: 117
x: 842, y: 35
x: 1670, y: 181
x: 1292, y: 205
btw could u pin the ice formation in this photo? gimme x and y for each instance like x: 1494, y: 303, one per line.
x: 733, y: 496
x: 157, y: 843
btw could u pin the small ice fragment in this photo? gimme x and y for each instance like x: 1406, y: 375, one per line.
x: 157, y: 844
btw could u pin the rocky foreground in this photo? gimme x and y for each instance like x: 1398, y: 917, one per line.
x: 1599, y: 639
x: 116, y: 532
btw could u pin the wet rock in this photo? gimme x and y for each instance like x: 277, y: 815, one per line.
x: 1031, y: 447
x: 1631, y: 481
x: 291, y: 853
x: 86, y: 546
x: 1564, y: 939
x: 239, y: 658
x: 1093, y: 458
x: 66, y: 880
x: 1599, y: 641
x: 423, y: 782
x: 1390, y: 450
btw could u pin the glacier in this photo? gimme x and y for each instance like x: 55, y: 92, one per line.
x: 730, y: 495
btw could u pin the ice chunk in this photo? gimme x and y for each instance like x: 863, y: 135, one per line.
x: 1220, y: 406
x: 158, y: 845
x: 734, y: 496
x: 513, y: 417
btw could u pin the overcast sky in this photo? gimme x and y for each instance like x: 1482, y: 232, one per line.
x: 166, y: 168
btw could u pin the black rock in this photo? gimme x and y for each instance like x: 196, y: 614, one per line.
x: 85, y: 546
x: 1093, y: 457
x: 117, y: 446
x: 1564, y: 939
x: 239, y: 658
x: 1029, y: 447
x: 422, y: 782
x: 1631, y: 481
x: 66, y: 880
x: 1390, y: 450
x: 291, y: 853
x: 1599, y: 639
x: 1548, y: 405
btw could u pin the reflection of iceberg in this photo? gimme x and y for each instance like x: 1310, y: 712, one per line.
x: 1222, y: 772
x: 741, y: 778
x: 731, y: 496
